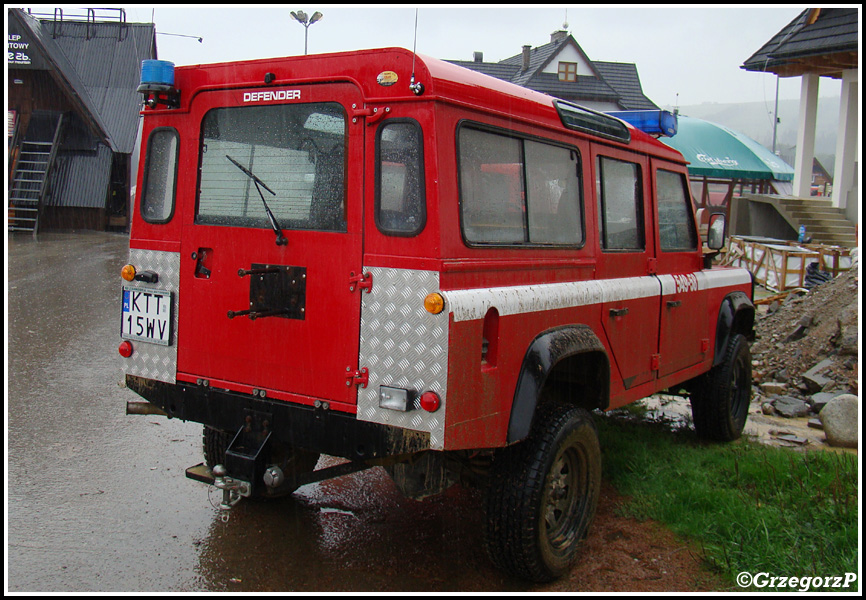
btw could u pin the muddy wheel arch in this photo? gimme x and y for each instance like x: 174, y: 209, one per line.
x: 568, y: 358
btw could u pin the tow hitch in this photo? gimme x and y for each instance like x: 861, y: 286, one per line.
x: 235, y: 489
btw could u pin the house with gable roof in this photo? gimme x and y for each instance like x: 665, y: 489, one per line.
x: 73, y: 117
x: 562, y: 69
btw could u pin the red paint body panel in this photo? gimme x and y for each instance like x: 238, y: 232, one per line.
x: 651, y: 341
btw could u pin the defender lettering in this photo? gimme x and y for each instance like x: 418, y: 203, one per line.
x: 271, y: 96
x: 442, y: 276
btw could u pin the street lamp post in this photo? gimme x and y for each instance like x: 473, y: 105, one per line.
x: 301, y: 17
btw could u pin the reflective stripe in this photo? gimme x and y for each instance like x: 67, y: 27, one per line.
x: 706, y: 280
x: 467, y: 305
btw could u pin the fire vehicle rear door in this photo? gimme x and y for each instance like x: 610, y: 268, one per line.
x: 266, y: 301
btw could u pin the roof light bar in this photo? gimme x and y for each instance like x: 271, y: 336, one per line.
x: 653, y: 122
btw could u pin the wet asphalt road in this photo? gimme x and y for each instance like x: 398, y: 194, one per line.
x: 98, y: 501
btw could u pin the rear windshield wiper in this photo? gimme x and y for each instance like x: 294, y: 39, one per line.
x: 281, y: 239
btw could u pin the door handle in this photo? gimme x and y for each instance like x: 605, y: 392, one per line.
x: 674, y: 303
x: 618, y: 312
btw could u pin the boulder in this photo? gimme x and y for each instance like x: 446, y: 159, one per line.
x: 819, y: 401
x: 813, y: 379
x: 839, y: 418
x: 772, y: 388
x: 791, y: 407
x: 849, y: 344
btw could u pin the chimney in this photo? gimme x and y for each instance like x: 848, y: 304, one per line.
x: 526, y: 52
x: 557, y: 36
x: 478, y: 56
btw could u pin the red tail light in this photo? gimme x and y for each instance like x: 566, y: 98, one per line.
x: 125, y: 349
x: 430, y: 401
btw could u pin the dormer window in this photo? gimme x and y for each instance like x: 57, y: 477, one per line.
x: 567, y: 71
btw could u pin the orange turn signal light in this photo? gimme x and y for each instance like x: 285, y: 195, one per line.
x: 128, y: 272
x: 434, y: 303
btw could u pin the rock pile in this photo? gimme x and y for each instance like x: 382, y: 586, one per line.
x: 805, y: 356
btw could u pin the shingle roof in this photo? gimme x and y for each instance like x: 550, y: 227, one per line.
x: 586, y: 87
x: 623, y: 77
x: 611, y: 82
x: 813, y: 33
x: 538, y: 59
x: 498, y: 70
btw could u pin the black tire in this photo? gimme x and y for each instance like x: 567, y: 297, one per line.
x: 720, y: 399
x: 214, y: 443
x: 543, y: 495
x: 291, y: 461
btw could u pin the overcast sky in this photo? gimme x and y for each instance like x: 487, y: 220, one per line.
x: 684, y: 56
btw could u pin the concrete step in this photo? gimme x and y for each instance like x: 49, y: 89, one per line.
x: 825, y: 223
x: 833, y: 239
x: 808, y: 202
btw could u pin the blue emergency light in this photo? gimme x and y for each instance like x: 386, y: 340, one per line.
x: 653, y: 122
x: 159, y: 72
x: 157, y: 83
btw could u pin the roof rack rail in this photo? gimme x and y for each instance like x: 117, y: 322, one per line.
x: 106, y: 15
x: 583, y: 119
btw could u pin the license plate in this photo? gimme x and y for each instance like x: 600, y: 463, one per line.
x: 146, y: 315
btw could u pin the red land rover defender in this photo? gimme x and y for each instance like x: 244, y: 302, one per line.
x: 391, y: 259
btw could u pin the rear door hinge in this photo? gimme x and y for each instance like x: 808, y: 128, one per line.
x: 655, y: 361
x: 363, y: 281
x: 371, y: 114
x: 360, y: 377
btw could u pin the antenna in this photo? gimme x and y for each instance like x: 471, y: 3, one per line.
x: 417, y: 88
x: 565, y: 23
x: 195, y: 37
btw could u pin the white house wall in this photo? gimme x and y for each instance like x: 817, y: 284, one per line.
x: 569, y: 54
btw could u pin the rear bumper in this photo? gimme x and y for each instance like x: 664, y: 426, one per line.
x: 313, y: 429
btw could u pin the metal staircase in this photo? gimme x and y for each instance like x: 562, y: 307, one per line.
x: 35, y: 158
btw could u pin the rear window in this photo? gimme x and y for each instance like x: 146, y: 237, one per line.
x: 517, y: 191
x: 400, y: 202
x: 160, y: 176
x: 293, y: 155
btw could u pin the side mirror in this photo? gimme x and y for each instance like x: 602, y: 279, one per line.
x: 716, y: 232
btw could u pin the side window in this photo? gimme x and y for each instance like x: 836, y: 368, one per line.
x: 554, y: 194
x: 518, y: 191
x: 400, y: 203
x: 491, y: 187
x: 160, y: 176
x: 676, y: 222
x: 620, y: 210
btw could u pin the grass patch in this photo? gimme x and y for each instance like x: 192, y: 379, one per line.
x: 751, y: 507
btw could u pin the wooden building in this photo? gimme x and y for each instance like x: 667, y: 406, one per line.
x: 73, y: 117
